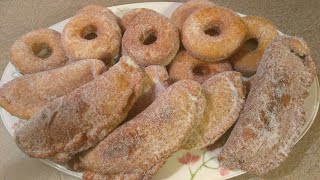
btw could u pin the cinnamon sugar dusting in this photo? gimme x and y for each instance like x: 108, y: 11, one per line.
x: 25, y: 95
x: 273, y: 115
x: 128, y: 150
x: 107, y: 98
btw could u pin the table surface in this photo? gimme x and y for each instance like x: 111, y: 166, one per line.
x: 294, y: 17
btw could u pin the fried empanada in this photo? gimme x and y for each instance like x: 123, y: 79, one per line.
x: 137, y: 149
x: 23, y: 96
x: 82, y: 118
x: 225, y: 98
x: 273, y: 116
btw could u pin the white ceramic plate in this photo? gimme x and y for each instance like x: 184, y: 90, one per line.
x: 198, y: 164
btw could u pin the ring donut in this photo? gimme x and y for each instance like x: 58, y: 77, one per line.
x: 37, y: 51
x: 213, y: 34
x: 260, y: 33
x: 106, y: 11
x: 91, y: 35
x: 184, y: 66
x: 180, y: 15
x: 129, y: 17
x: 151, y: 39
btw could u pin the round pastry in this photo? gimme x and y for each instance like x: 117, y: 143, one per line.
x: 260, y: 33
x: 184, y: 66
x: 180, y: 15
x: 213, y: 33
x: 37, y: 51
x: 151, y: 39
x: 91, y: 35
x: 129, y: 17
x: 106, y: 11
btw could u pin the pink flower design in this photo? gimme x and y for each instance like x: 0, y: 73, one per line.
x: 223, y: 171
x: 17, y: 124
x: 188, y: 158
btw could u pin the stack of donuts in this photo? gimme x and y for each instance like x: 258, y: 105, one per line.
x: 200, y: 40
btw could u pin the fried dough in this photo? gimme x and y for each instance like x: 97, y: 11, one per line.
x: 225, y: 98
x: 23, y: 96
x: 137, y: 149
x: 82, y: 118
x: 273, y: 116
x: 158, y: 84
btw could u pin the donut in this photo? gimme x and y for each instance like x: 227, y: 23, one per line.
x: 213, y: 34
x: 37, y: 51
x: 106, y: 11
x: 151, y: 39
x: 128, y: 18
x: 92, y: 35
x: 260, y: 33
x: 180, y: 15
x: 184, y: 66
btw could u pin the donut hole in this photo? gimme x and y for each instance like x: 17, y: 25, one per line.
x: 201, y: 70
x: 89, y: 32
x: 150, y: 38
x: 213, y: 31
x: 42, y: 50
x: 251, y: 44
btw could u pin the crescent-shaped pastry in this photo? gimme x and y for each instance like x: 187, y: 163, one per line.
x: 82, y: 118
x: 273, y: 116
x: 137, y: 149
x: 23, y: 96
x: 225, y: 98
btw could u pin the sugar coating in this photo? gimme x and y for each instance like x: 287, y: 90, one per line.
x: 141, y: 146
x: 25, y: 95
x: 131, y: 15
x: 273, y: 115
x: 225, y: 99
x: 105, y: 46
x: 180, y: 15
x: 82, y: 118
x: 25, y: 60
x: 158, y: 83
x: 232, y: 32
x: 263, y: 31
x: 108, y: 13
x: 184, y: 65
x: 146, y: 22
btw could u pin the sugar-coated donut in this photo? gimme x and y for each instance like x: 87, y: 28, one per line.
x: 213, y: 33
x: 151, y: 39
x: 129, y: 17
x: 92, y: 35
x: 37, y: 51
x: 180, y: 15
x: 184, y: 66
x: 260, y: 33
x: 106, y: 11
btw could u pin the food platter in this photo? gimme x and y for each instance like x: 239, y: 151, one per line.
x: 196, y: 164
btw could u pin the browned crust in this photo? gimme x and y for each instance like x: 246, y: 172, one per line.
x: 25, y: 95
x: 184, y: 66
x: 22, y: 54
x: 232, y: 32
x: 82, y: 118
x: 273, y: 116
x: 143, y: 144
x: 263, y: 31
